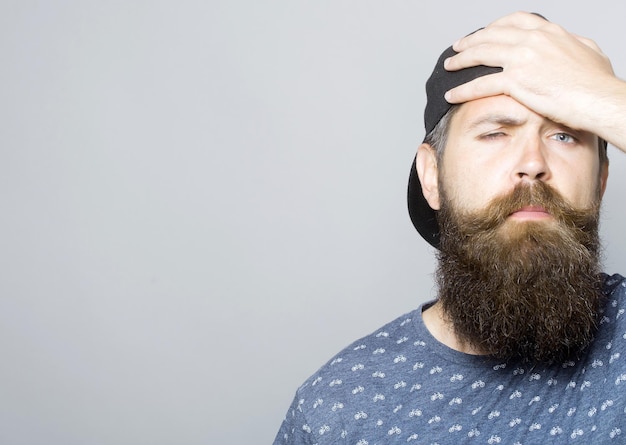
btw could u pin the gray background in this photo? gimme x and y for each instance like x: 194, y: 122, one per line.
x: 202, y: 201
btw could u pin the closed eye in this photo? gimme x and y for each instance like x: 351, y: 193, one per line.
x: 492, y: 135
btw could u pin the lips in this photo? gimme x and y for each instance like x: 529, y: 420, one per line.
x: 531, y: 212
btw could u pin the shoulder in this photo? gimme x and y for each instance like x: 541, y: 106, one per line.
x: 375, y: 351
x: 352, y: 383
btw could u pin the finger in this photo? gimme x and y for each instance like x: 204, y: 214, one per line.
x: 503, y: 28
x: 486, y: 54
x: 485, y: 86
x: 521, y: 19
x: 492, y: 34
x: 588, y: 42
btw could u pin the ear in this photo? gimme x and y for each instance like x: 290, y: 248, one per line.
x: 604, y: 176
x: 428, y: 172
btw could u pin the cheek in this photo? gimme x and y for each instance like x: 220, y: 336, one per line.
x: 582, y: 188
x: 472, y: 181
x: 470, y: 176
x: 467, y: 191
x: 585, y: 192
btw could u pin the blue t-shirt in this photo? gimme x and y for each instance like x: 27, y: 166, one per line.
x: 401, y: 386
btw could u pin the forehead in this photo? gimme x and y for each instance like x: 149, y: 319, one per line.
x: 495, y: 108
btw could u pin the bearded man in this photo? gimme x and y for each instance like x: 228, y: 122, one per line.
x: 526, y: 342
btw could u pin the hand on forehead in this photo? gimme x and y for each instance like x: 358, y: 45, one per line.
x: 549, y: 70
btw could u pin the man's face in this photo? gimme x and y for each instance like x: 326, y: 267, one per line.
x: 518, y: 196
x: 496, y: 143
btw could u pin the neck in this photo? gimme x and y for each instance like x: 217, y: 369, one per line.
x: 443, y: 330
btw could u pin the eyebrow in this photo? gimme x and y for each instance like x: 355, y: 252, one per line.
x: 500, y: 119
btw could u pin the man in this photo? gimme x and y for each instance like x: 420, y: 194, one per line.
x: 526, y: 342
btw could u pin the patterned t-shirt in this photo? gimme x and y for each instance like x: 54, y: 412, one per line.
x: 401, y: 386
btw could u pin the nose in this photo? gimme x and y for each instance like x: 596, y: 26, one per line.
x: 532, y: 163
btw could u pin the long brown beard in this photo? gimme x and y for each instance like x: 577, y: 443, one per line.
x: 528, y: 290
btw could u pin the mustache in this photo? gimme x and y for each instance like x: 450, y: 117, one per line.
x: 539, y: 195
